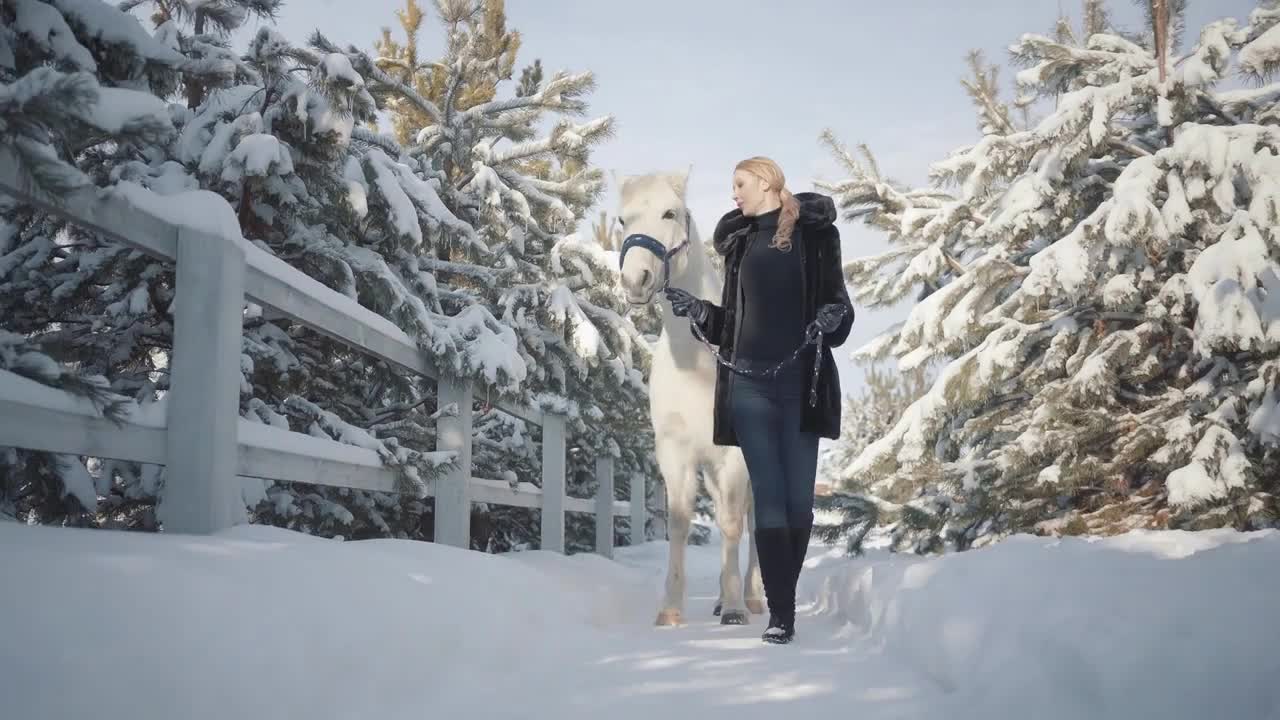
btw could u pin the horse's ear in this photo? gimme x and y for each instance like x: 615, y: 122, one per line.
x: 680, y: 181
x: 620, y: 182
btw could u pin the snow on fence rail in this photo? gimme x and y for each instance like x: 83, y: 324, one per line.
x: 205, y: 444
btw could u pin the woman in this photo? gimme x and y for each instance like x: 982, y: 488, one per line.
x: 784, y: 285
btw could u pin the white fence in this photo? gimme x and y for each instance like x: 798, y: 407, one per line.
x: 205, y: 444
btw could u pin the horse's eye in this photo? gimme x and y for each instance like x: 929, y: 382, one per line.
x: 669, y: 215
x: 621, y: 222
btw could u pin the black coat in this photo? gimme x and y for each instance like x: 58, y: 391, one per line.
x: 817, y: 239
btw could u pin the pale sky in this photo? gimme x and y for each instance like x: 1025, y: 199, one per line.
x: 709, y: 82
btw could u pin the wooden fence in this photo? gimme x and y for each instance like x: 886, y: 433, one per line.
x: 205, y: 444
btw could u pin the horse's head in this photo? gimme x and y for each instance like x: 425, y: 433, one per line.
x: 657, y: 231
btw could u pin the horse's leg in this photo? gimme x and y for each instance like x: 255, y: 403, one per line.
x: 713, y: 490
x: 716, y: 503
x: 735, y: 472
x: 731, y: 500
x: 681, y: 479
x: 755, y: 584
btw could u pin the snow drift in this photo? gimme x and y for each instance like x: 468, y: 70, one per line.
x: 259, y: 622
x: 1166, y: 624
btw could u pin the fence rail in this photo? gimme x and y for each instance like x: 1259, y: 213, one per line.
x: 204, y: 442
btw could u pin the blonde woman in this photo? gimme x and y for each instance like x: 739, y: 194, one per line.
x: 784, y: 291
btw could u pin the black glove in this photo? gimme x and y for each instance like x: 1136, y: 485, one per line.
x: 685, y: 305
x: 829, y: 317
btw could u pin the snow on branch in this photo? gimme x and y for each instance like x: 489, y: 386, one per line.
x: 369, y: 70
x: 560, y: 94
x: 112, y: 26
x: 1103, y: 292
x: 564, y: 140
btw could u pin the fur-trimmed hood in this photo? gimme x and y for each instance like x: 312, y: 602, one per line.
x: 816, y: 211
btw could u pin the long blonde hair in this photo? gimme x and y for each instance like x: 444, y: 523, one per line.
x: 769, y: 171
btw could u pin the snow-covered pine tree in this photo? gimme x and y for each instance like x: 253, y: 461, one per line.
x: 38, y: 487
x: 1102, y: 288
x: 606, y: 359
x: 347, y: 206
x: 490, y: 45
x: 78, y: 84
x: 321, y: 193
x: 869, y: 414
x: 200, y: 30
x: 510, y: 162
x: 274, y: 136
x: 866, y: 417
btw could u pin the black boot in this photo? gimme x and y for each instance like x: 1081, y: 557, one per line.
x: 799, y: 548
x: 773, y: 546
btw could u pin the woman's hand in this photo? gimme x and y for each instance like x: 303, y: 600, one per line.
x: 685, y: 305
x: 829, y: 317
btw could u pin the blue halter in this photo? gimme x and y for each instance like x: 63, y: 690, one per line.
x: 648, y: 242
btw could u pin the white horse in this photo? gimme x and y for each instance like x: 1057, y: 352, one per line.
x: 681, y: 391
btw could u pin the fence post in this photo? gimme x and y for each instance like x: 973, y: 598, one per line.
x: 638, y: 514
x: 604, y: 506
x: 453, y: 432
x: 553, y: 476
x: 201, y: 493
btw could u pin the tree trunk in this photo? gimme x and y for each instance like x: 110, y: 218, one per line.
x: 1160, y: 23
x: 195, y: 89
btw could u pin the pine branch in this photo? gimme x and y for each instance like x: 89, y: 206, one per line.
x: 377, y: 139
x: 557, y: 95
x: 558, y: 142
x: 1160, y: 28
x: 492, y: 276
x: 1128, y: 147
x: 1096, y: 18
x: 372, y: 73
x: 983, y: 90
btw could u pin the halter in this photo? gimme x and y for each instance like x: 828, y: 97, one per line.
x: 650, y: 243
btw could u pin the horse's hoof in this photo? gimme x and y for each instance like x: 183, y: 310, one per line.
x: 755, y: 605
x: 668, y: 617
x: 734, y: 617
x: 716, y: 612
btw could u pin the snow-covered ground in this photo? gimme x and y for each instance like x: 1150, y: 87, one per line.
x: 264, y: 623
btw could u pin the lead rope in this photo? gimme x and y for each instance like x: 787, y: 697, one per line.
x: 727, y: 364
x: 817, y: 368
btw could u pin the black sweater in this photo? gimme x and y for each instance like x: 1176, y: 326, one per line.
x: 772, y: 295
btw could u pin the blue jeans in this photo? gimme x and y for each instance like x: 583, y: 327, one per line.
x: 782, y: 460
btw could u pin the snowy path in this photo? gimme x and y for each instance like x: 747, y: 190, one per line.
x: 709, y: 671
x: 263, y: 623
